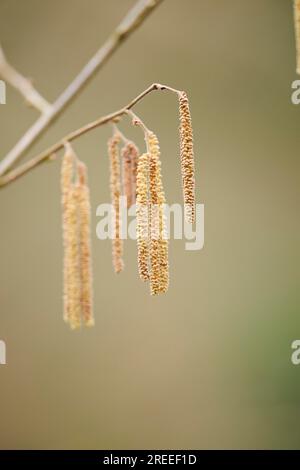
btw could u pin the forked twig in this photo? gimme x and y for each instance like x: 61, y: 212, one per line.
x: 130, y: 23
x: 48, y: 153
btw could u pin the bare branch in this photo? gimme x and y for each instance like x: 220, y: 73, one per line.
x: 132, y: 20
x: 49, y: 154
x: 23, y: 85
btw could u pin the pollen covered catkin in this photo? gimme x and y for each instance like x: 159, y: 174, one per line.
x: 187, y: 157
x: 127, y: 174
x: 134, y: 153
x: 297, y: 31
x: 142, y: 216
x: 159, y: 275
x: 72, y: 265
x: 115, y: 188
x: 130, y: 155
x: 66, y: 186
x: 84, y: 209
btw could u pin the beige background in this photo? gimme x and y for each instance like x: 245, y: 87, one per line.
x: 207, y: 365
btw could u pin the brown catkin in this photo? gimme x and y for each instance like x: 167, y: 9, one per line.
x: 66, y: 185
x: 130, y: 155
x: 115, y: 188
x: 84, y: 209
x: 127, y: 174
x: 142, y: 216
x: 297, y: 32
x: 72, y: 263
x: 159, y: 275
x: 134, y: 152
x: 187, y: 157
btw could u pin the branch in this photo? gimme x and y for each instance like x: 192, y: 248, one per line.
x: 23, y: 85
x: 130, y: 23
x: 50, y: 153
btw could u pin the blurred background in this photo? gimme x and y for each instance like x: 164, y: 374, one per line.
x: 208, y: 364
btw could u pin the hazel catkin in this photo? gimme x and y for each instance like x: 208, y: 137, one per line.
x: 115, y: 188
x: 142, y: 216
x: 84, y: 209
x: 159, y: 275
x: 187, y: 157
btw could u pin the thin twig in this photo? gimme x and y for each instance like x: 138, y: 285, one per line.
x: 23, y: 85
x: 51, y: 151
x: 130, y: 23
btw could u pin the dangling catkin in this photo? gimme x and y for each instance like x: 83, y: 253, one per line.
x: 69, y: 222
x: 297, y: 31
x: 72, y: 264
x: 159, y: 275
x: 134, y: 152
x: 142, y: 216
x: 115, y: 188
x: 127, y: 174
x: 129, y: 160
x: 84, y: 209
x: 187, y: 157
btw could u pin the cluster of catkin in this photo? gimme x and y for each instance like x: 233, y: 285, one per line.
x: 297, y: 31
x: 77, y: 273
x: 152, y: 239
x: 121, y: 183
x: 134, y: 179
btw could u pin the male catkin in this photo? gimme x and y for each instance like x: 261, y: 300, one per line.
x: 84, y: 209
x: 69, y: 222
x: 187, y: 157
x: 142, y: 216
x: 115, y: 189
x: 72, y: 261
x: 127, y: 174
x: 159, y: 275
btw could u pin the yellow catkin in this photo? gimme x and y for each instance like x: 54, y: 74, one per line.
x: 66, y: 185
x: 142, y: 216
x: 129, y: 160
x: 187, y: 157
x: 84, y: 209
x: 115, y: 188
x: 159, y: 275
x: 72, y: 261
x: 134, y: 151
x: 127, y: 174
x: 297, y: 31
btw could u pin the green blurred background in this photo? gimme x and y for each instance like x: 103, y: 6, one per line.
x: 207, y: 365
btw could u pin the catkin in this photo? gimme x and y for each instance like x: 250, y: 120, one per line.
x: 134, y: 152
x: 72, y: 264
x: 66, y: 185
x: 297, y: 31
x: 187, y: 157
x: 142, y: 216
x: 127, y: 174
x: 159, y: 275
x: 129, y: 154
x: 84, y: 209
x: 115, y: 188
